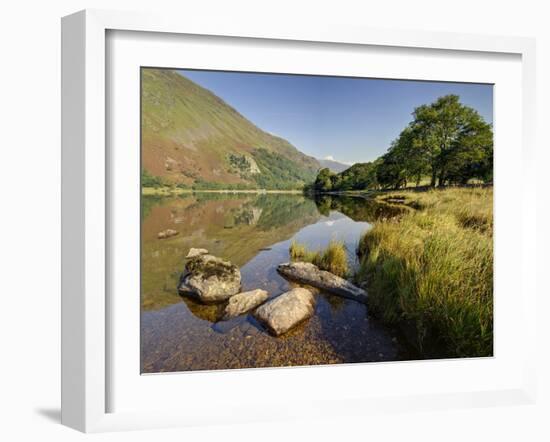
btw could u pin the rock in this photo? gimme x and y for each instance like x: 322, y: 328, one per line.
x: 286, y: 310
x: 210, y: 279
x: 196, y: 252
x: 170, y: 164
x: 167, y: 233
x: 310, y: 274
x: 244, y: 302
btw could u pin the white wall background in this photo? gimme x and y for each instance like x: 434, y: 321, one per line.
x: 30, y: 215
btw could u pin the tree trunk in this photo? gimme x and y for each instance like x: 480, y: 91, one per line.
x: 434, y: 176
x: 442, y: 178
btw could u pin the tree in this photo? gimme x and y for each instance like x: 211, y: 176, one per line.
x: 323, y: 182
x: 357, y: 177
x: 452, y: 137
x: 446, y: 140
x: 472, y: 154
x: 391, y: 173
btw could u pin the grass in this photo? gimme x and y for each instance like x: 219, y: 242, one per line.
x: 333, y: 258
x: 434, y: 268
x: 471, y: 207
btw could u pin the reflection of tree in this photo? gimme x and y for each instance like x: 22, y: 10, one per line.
x: 280, y: 210
x: 356, y: 208
x: 324, y: 204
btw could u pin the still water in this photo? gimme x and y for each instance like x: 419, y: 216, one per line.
x: 254, y: 232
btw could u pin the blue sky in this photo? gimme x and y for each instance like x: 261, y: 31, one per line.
x: 347, y: 119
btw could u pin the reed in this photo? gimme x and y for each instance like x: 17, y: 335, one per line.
x: 434, y: 268
x: 333, y: 258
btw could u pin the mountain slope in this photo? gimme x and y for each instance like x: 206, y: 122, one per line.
x: 333, y: 165
x: 190, y: 136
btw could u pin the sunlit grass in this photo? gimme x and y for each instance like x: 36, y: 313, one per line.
x: 435, y: 267
x: 333, y: 258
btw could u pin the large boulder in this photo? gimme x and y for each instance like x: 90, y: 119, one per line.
x: 244, y: 302
x: 310, y: 274
x: 286, y: 311
x: 210, y: 279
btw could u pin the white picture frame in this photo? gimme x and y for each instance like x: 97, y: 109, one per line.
x: 86, y: 316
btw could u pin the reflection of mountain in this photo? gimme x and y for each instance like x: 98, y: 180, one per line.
x: 234, y: 227
x: 357, y: 208
x: 248, y: 214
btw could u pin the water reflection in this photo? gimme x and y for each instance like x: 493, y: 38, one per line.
x: 254, y: 232
x: 357, y: 208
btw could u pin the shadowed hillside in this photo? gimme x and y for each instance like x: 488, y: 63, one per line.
x: 192, y: 137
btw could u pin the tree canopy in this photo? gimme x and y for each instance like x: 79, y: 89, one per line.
x: 357, y: 177
x: 446, y: 141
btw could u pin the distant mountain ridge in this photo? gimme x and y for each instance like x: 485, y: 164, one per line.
x: 333, y: 165
x: 191, y: 137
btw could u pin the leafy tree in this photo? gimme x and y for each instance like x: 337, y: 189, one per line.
x: 357, y: 177
x: 148, y: 180
x: 447, y: 141
x: 323, y: 182
x: 448, y: 138
x: 391, y: 171
x: 472, y: 154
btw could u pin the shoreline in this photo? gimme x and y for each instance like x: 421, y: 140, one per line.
x: 365, y: 193
x: 165, y: 191
x: 413, y: 189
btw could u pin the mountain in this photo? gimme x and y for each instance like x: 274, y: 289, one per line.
x: 333, y: 165
x: 191, y: 137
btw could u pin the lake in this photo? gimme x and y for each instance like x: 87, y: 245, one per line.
x: 253, y: 231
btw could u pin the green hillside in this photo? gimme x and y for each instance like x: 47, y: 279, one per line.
x: 191, y: 137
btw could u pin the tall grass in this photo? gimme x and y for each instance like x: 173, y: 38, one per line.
x: 333, y: 258
x: 434, y: 268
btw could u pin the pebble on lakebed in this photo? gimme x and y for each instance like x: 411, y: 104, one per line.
x: 168, y: 233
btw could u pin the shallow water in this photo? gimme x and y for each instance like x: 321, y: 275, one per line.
x: 254, y: 232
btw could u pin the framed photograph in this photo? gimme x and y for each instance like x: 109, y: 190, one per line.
x: 274, y: 222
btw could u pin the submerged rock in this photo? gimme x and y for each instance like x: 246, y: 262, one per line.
x: 167, y: 233
x: 210, y: 279
x: 193, y: 252
x: 310, y: 274
x: 286, y: 311
x: 244, y: 302
x: 224, y: 326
